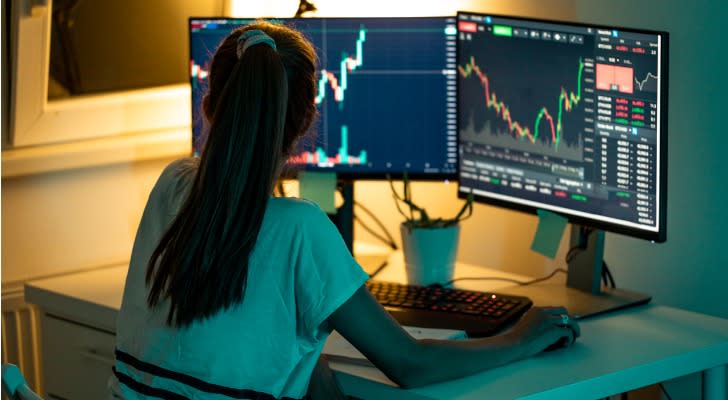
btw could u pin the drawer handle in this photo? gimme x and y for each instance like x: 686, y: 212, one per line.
x: 93, y: 355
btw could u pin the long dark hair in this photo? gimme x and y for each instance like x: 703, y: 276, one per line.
x: 258, y: 107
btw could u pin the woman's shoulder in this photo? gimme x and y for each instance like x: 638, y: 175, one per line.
x: 183, y: 167
x: 294, y: 209
x: 174, y: 180
x: 294, y: 206
x: 179, y: 172
x: 299, y: 216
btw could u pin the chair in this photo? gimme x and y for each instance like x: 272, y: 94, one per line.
x: 15, y: 385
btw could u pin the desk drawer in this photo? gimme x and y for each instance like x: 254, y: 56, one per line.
x: 77, y: 359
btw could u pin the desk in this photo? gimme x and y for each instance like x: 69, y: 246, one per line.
x: 616, y: 353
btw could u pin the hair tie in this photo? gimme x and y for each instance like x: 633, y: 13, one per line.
x: 251, y: 38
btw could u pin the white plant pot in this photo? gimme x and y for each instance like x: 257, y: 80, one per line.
x: 429, y: 254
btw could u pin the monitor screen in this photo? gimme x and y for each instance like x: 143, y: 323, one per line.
x: 569, y: 118
x: 386, y: 94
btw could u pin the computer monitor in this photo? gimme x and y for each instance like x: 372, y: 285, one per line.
x: 386, y: 94
x: 386, y: 98
x: 569, y: 118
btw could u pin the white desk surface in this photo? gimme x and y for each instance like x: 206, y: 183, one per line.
x: 92, y: 297
x: 617, y: 352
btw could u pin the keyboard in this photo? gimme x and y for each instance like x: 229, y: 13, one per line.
x: 477, y: 313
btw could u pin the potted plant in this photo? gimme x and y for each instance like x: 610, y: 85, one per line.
x: 429, y: 244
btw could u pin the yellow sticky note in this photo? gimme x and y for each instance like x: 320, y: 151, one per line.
x: 549, y: 232
x: 318, y: 187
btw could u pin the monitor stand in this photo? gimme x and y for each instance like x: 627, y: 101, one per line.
x: 583, y: 295
x: 344, y: 216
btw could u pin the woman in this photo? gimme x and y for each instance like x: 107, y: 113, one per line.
x: 232, y: 292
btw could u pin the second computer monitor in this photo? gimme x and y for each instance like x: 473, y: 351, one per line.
x: 386, y: 94
x: 565, y: 117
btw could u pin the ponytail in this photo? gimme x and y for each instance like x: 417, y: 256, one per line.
x: 201, y: 263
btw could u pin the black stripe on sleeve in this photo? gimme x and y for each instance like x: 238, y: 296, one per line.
x: 145, y: 389
x: 188, y: 380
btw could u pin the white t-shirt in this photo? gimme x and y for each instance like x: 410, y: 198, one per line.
x: 300, y: 271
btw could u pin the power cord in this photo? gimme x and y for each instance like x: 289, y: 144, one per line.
x: 662, y: 387
x: 384, y: 240
x: 388, y: 240
x: 378, y: 269
x: 607, y: 278
x: 625, y: 395
x: 608, y: 274
x: 517, y: 282
x: 280, y: 190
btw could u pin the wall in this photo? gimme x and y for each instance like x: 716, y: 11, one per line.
x: 690, y: 270
x: 71, y: 220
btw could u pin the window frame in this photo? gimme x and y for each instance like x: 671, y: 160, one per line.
x: 34, y: 120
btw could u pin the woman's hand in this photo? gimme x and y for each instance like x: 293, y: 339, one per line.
x: 545, y: 328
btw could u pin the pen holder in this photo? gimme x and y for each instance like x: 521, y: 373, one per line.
x: 429, y: 253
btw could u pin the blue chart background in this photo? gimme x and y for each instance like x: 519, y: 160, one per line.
x: 395, y: 103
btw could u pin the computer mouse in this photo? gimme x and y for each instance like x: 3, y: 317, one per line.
x: 560, y: 344
x: 564, y: 341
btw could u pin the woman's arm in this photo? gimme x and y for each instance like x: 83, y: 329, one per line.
x: 323, y: 384
x: 411, y: 363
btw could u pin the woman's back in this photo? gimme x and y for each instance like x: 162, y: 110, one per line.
x: 299, y: 272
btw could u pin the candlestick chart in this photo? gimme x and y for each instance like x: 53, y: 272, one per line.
x: 505, y: 104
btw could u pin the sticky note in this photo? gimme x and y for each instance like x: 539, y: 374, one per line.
x: 549, y: 232
x: 318, y: 187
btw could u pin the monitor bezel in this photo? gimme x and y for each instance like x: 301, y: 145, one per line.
x: 658, y: 236
x: 291, y: 171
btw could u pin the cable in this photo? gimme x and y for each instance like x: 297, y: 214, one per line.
x: 572, y: 253
x: 388, y: 242
x: 605, y: 270
x: 662, y: 387
x: 379, y: 269
x: 280, y: 188
x: 522, y: 283
x: 606, y: 274
x: 389, y: 239
x: 376, y: 220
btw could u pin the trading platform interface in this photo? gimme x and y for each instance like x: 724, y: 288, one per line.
x: 386, y: 93
x: 562, y: 117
